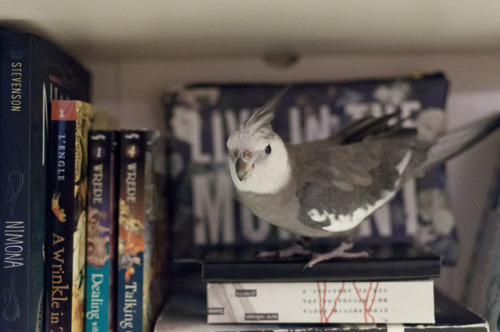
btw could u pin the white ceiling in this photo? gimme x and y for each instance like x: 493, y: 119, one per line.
x: 131, y: 29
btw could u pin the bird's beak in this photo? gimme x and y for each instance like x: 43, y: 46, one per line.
x: 242, y: 168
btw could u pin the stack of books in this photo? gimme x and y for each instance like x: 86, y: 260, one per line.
x: 106, y: 239
x: 394, y: 285
x: 353, y: 295
x: 102, y: 225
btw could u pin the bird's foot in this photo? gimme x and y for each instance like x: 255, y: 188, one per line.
x: 339, y: 252
x: 294, y: 250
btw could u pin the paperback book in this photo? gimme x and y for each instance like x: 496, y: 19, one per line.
x: 142, y: 233
x: 205, y: 212
x: 66, y: 215
x: 102, y: 231
x: 33, y: 72
x: 368, y: 302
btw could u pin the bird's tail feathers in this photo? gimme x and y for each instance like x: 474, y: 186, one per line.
x: 386, y: 126
x: 458, y: 140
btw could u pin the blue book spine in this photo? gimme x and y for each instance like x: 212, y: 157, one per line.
x: 101, y: 232
x: 21, y: 234
x: 131, y: 235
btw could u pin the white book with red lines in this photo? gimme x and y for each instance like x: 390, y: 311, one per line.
x: 371, y: 302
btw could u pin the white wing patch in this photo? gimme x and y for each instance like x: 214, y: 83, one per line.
x: 341, y: 223
x: 404, y: 162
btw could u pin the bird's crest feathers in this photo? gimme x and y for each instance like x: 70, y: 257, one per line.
x: 260, y: 120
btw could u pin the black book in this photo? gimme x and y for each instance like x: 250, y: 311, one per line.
x: 33, y: 72
x: 404, y: 262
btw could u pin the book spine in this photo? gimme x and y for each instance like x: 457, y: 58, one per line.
x: 156, y: 240
x: 20, y: 294
x: 322, y: 302
x: 66, y: 215
x: 131, y: 235
x: 101, y: 232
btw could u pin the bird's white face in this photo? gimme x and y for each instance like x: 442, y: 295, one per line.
x: 258, y: 163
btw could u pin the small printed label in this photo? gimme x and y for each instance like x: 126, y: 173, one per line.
x: 261, y: 316
x: 215, y: 311
x: 246, y: 293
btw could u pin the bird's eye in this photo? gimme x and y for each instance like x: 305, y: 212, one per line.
x: 268, y: 149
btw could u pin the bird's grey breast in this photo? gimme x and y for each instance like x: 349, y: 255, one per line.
x: 281, y: 209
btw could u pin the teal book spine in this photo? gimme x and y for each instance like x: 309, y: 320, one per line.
x: 102, y: 231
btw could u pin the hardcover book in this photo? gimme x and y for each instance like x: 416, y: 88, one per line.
x: 66, y: 215
x: 32, y: 73
x: 389, y: 263
x: 368, y: 302
x: 142, y: 237
x: 102, y: 231
x: 205, y: 213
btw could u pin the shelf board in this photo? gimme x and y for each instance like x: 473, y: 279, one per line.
x: 128, y: 30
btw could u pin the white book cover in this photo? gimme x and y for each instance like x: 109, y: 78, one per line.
x: 322, y: 302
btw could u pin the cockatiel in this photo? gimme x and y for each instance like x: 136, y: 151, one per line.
x: 326, y: 188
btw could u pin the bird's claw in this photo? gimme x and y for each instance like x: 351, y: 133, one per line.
x: 339, y: 252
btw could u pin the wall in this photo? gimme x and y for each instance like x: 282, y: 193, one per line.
x: 132, y: 91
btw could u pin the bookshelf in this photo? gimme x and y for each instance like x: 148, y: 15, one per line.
x: 138, y: 50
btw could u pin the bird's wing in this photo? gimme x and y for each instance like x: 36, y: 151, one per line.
x: 339, y: 186
x: 387, y: 126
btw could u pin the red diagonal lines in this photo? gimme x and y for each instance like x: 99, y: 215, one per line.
x: 368, y: 301
x: 322, y: 301
x: 367, y: 309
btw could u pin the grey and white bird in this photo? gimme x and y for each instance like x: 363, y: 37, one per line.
x: 326, y: 188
